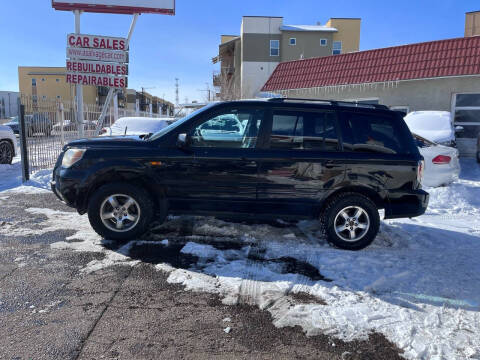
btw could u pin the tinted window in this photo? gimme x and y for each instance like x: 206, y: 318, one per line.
x: 304, y: 130
x: 375, y: 133
x: 468, y: 100
x: 230, y: 129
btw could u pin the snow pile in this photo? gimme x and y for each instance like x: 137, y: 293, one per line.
x: 11, y: 179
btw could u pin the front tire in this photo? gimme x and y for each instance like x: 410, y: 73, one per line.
x: 6, y: 152
x: 351, y: 221
x: 120, y: 211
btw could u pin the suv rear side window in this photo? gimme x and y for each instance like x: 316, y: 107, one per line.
x: 374, y: 133
x: 304, y: 130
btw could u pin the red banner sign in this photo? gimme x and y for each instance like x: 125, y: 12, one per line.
x: 119, y: 82
x: 96, y: 42
x: 97, y: 67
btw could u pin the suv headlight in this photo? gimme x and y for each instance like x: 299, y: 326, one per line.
x: 72, y: 156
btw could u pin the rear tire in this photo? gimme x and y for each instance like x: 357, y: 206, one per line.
x: 351, y: 221
x: 122, y: 203
x: 6, y: 152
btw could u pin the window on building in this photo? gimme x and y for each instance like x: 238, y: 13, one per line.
x: 323, y: 42
x: 34, y: 82
x: 337, y: 48
x: 274, y: 47
x: 59, y: 97
x: 43, y: 79
x: 57, y: 80
x: 307, y: 131
x: 466, y: 115
x: 367, y: 132
x: 293, y: 41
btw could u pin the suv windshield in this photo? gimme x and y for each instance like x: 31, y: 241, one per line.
x: 177, y: 123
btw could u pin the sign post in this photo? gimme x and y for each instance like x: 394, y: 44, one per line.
x: 111, y: 52
x: 78, y: 87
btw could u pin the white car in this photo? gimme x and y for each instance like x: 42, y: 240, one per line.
x: 136, y: 126
x: 442, y: 165
x: 8, y: 143
x: 435, y: 126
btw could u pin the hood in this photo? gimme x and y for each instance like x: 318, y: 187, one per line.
x: 435, y: 126
x: 437, y: 136
x: 109, y: 142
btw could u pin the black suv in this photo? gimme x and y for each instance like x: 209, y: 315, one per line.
x: 279, y: 158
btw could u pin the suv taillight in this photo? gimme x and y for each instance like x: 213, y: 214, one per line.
x: 420, y: 168
x: 441, y: 160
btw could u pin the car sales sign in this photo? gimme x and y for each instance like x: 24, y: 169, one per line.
x: 166, y: 7
x: 97, y: 60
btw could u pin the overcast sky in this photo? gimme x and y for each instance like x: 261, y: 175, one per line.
x: 165, y: 47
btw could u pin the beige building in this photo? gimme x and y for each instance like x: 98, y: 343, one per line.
x: 247, y: 60
x: 49, y: 83
x: 472, y: 23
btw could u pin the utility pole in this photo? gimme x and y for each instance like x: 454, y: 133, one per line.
x: 209, y: 92
x: 177, y: 97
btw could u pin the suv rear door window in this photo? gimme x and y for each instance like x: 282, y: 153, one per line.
x: 374, y: 133
x: 304, y: 130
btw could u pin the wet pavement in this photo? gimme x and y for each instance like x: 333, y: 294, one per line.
x: 51, y: 309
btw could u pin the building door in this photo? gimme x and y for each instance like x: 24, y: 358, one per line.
x: 466, y: 120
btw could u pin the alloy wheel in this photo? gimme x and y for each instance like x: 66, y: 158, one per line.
x: 352, y: 223
x: 120, y: 212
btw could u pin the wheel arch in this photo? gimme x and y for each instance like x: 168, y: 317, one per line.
x: 139, y: 179
x: 358, y: 189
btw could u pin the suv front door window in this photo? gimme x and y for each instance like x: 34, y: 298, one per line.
x: 234, y: 129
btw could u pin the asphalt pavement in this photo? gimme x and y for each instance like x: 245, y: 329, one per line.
x: 50, y: 309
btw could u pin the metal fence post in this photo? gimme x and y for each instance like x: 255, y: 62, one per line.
x: 61, y: 121
x: 23, y: 142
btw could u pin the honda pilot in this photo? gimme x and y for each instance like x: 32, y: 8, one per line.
x: 337, y: 162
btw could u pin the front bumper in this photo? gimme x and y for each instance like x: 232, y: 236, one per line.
x: 406, y: 204
x: 67, y: 186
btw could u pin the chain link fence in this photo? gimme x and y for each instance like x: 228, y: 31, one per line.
x: 46, y: 125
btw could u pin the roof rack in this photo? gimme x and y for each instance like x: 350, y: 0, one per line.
x: 332, y: 102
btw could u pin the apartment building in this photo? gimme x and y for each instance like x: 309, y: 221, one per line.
x: 43, y: 82
x: 8, y: 104
x: 247, y: 60
x: 472, y: 23
x: 142, y: 101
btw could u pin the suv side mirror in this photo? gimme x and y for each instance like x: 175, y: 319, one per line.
x: 183, y: 141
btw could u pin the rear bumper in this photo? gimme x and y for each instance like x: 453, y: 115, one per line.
x: 406, y: 204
